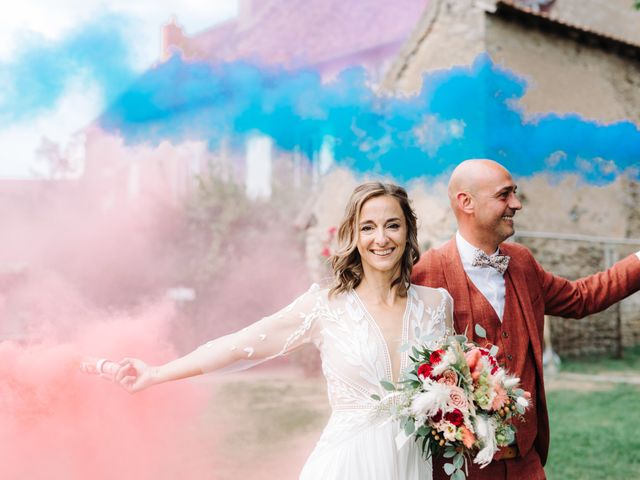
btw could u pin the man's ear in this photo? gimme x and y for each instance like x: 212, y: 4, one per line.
x: 465, y: 202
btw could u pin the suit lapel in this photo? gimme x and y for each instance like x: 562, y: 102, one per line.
x: 458, y: 285
x: 520, y: 289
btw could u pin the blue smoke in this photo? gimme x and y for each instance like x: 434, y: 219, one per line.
x: 459, y: 113
x: 35, y: 80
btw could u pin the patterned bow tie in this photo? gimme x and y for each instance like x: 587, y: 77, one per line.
x: 499, y: 262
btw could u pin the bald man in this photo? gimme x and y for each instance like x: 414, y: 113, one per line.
x: 501, y: 287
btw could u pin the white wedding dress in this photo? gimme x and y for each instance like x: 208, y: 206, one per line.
x: 357, y: 442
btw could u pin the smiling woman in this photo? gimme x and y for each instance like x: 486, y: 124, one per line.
x: 358, y: 327
x: 378, y: 218
x: 383, y: 233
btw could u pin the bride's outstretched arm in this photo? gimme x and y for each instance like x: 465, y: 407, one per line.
x: 135, y: 375
x: 270, y: 337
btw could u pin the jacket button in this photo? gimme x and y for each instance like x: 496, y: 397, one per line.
x: 505, y: 334
x: 509, y: 357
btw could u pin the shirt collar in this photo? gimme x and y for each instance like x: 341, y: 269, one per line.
x: 466, y: 250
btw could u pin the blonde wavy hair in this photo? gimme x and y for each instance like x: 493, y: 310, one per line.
x: 346, y: 262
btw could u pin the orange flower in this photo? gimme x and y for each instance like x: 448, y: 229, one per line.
x: 473, y: 359
x: 500, y: 398
x: 468, y: 438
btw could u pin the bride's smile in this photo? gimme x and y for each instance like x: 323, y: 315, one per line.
x: 382, y: 234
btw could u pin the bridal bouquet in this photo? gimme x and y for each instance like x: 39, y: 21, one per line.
x: 457, y: 402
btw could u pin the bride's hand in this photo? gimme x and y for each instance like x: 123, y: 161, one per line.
x: 134, y: 375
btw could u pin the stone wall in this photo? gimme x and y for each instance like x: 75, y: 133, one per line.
x: 564, y: 77
x: 555, y: 207
x: 568, y: 207
x: 601, y: 333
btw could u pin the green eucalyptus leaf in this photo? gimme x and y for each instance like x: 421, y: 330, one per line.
x: 409, y: 426
x: 449, y: 468
x: 494, y: 350
x: 458, y: 475
x: 376, y: 397
x: 458, y: 461
x: 388, y: 386
x: 480, y: 332
x: 449, y: 453
x: 404, y: 347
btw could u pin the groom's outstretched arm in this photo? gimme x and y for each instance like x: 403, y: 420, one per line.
x: 588, y: 295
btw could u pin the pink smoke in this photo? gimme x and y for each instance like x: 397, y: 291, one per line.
x: 82, y: 267
x: 56, y: 422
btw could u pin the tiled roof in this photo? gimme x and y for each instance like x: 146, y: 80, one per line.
x: 610, y: 19
x: 308, y: 32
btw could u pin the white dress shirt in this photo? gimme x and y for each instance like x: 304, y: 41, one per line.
x: 488, y: 280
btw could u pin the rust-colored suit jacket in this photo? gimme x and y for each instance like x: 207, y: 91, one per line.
x: 538, y: 293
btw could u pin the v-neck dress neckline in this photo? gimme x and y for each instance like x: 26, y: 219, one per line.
x: 383, y: 341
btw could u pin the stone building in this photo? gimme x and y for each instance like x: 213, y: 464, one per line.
x: 326, y: 36
x: 579, y: 56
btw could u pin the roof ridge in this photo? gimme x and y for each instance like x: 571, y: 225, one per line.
x: 552, y: 16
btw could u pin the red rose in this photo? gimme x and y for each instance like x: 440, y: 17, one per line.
x: 455, y: 417
x: 437, y: 417
x: 424, y: 370
x: 435, y: 356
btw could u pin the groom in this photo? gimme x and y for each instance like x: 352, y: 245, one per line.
x: 508, y: 294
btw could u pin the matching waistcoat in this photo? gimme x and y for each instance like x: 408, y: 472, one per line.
x: 512, y: 338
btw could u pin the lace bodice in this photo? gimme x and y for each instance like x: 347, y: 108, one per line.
x: 355, y: 355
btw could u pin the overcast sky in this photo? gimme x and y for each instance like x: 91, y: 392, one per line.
x: 48, y: 88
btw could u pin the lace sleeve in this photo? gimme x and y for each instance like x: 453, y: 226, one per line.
x: 448, y: 311
x: 270, y: 337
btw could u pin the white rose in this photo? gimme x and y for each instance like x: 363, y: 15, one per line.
x: 449, y: 433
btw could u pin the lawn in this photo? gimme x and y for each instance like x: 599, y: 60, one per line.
x: 594, y: 434
x: 594, y: 426
x: 274, y: 421
x: 629, y: 363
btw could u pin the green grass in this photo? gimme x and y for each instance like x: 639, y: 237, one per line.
x: 628, y: 364
x: 594, y: 435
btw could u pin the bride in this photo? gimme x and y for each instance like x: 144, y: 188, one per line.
x: 359, y: 325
